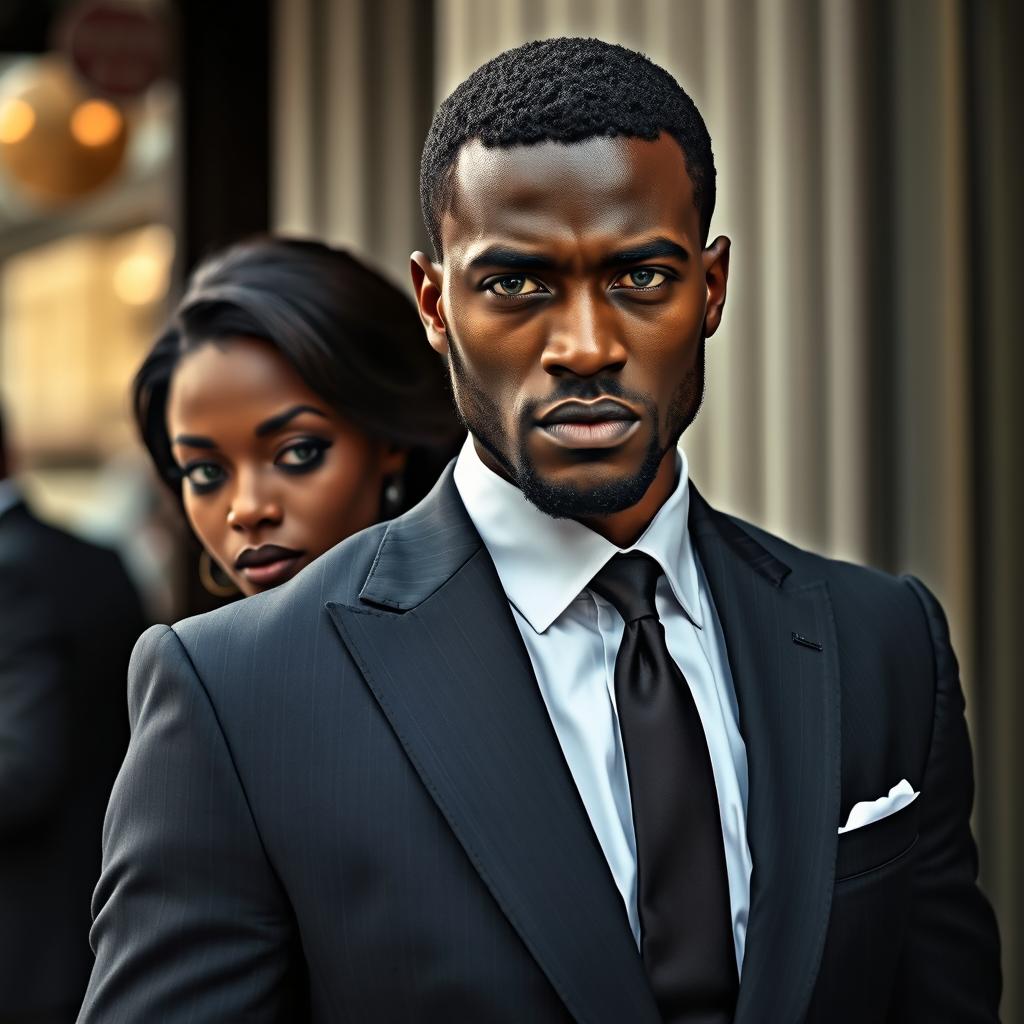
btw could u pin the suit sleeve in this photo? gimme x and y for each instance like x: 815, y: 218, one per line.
x: 34, y: 707
x: 950, y: 969
x: 190, y: 922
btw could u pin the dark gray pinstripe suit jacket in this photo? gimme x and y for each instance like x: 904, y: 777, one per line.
x: 348, y: 791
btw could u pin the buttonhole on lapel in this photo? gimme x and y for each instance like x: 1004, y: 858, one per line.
x: 803, y: 641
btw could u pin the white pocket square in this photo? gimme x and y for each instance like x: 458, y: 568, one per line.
x: 868, y: 811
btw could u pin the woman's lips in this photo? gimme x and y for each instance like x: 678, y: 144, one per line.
x: 268, y: 565
x: 272, y: 573
x: 594, y: 434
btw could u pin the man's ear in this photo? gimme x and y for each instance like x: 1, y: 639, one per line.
x: 427, y: 282
x: 716, y: 277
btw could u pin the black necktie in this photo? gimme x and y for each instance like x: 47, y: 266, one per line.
x: 682, y: 884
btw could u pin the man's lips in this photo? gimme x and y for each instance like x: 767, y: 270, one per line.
x: 268, y: 564
x: 603, y: 423
x: 602, y: 410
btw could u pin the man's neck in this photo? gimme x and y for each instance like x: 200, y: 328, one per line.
x: 624, y: 528
x: 621, y: 528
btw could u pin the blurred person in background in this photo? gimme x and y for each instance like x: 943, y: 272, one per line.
x: 291, y: 403
x: 69, y: 617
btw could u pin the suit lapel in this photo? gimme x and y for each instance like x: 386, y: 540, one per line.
x: 437, y: 645
x: 788, y: 696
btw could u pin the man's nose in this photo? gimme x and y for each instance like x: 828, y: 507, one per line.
x: 585, y: 339
x: 253, y: 504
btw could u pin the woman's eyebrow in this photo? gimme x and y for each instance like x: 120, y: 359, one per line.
x: 194, y: 441
x: 268, y: 426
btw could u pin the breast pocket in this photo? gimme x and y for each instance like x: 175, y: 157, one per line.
x: 868, y: 920
x: 877, y: 845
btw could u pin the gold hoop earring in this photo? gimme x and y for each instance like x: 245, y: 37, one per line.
x: 208, y: 572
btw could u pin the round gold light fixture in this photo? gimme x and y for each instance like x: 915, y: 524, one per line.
x: 57, y: 143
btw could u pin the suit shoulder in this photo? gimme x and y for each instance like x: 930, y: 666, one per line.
x: 895, y: 616
x: 841, y: 575
x: 254, y: 626
x: 67, y: 549
x: 86, y: 580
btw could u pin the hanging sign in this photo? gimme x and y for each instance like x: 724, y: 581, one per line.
x: 118, y: 48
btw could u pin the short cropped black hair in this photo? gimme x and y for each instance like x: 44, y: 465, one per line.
x: 563, y: 90
x: 353, y: 337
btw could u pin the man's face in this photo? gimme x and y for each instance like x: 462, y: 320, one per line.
x: 573, y: 302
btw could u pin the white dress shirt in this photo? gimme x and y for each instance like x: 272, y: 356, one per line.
x: 573, y: 636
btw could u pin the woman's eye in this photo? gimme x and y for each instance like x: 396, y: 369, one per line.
x: 514, y: 285
x: 204, y: 475
x: 303, y: 454
x: 643, y: 277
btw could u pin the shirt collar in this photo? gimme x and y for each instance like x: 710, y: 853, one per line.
x: 9, y: 496
x: 545, y: 563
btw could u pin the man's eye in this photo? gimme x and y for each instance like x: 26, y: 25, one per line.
x: 643, y: 277
x: 514, y: 285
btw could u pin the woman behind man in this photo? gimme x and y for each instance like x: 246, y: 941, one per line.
x: 292, y: 402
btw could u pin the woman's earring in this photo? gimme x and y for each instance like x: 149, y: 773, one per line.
x: 394, y: 495
x: 212, y: 577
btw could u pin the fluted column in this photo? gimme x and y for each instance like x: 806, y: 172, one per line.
x: 353, y: 104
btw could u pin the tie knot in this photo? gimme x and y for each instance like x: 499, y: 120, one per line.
x: 628, y: 583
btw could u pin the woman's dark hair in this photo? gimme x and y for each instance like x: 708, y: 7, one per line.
x: 354, y: 338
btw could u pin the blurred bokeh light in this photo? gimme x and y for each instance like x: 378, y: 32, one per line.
x: 17, y: 120
x: 96, y: 123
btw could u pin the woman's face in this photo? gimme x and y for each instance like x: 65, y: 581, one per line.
x: 273, y: 476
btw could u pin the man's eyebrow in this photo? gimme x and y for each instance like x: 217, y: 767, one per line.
x: 515, y: 259
x: 657, y: 248
x: 510, y: 259
x: 268, y: 426
x: 194, y: 441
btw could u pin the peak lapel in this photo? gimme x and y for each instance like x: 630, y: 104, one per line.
x: 788, y: 696
x: 452, y: 675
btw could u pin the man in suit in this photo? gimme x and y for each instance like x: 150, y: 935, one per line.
x: 563, y: 742
x: 68, y: 620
